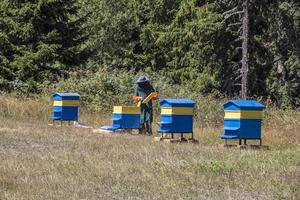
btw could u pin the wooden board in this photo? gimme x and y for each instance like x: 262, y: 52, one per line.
x: 174, y: 140
x: 247, y: 147
x: 260, y: 147
x: 102, y: 131
x: 169, y: 140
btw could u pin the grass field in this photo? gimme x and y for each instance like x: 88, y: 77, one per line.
x: 38, y: 161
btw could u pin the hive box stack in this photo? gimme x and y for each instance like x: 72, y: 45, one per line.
x: 176, y: 116
x: 65, y: 106
x: 243, y: 119
x: 124, y: 117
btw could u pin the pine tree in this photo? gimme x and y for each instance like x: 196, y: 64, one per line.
x: 43, y: 40
x: 284, y: 82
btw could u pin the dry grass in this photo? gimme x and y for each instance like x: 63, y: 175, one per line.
x: 43, y: 162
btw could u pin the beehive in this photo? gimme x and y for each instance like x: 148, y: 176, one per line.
x: 176, y: 116
x: 65, y: 106
x: 124, y: 117
x: 243, y: 119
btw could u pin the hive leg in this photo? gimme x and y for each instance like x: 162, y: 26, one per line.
x: 245, y: 141
x: 240, y: 142
x: 141, y: 129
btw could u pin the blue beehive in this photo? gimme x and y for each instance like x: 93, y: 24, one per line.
x: 242, y: 120
x: 124, y: 117
x: 176, y: 116
x: 65, y: 106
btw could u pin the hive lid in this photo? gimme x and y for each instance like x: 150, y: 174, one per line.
x: 244, y: 105
x: 177, y: 103
x: 66, y: 96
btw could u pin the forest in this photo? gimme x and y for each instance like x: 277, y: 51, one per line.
x: 98, y: 47
x: 200, y: 56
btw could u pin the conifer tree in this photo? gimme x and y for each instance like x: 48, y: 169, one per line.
x: 42, y: 38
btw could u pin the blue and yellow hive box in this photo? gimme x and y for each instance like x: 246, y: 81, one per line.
x: 176, y: 116
x: 243, y: 119
x: 124, y: 117
x: 65, y: 106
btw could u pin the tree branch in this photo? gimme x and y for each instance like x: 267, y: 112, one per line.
x: 240, y: 29
x: 230, y: 11
x: 238, y: 39
x: 238, y: 77
x: 231, y: 14
x: 235, y: 24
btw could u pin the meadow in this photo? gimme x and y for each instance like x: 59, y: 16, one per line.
x: 39, y: 161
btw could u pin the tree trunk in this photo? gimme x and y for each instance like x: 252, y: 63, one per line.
x: 281, y: 72
x: 245, y: 56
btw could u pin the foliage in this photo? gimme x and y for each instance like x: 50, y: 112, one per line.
x: 40, y: 41
x: 191, y: 45
x: 184, y: 41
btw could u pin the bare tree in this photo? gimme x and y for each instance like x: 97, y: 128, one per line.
x: 245, y: 56
x: 237, y: 19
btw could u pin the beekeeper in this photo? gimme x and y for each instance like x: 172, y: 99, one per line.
x: 142, y: 91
